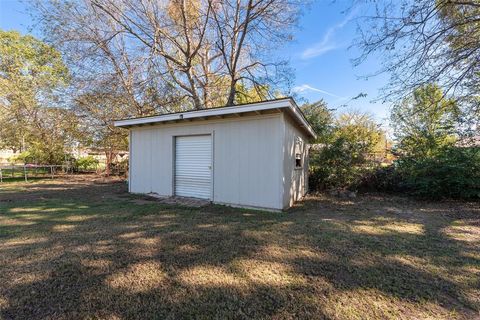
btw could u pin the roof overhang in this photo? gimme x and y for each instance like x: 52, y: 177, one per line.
x: 287, y: 105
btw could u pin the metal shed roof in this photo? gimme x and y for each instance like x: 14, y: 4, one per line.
x: 287, y: 105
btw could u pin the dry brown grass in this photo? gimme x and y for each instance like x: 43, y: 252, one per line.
x: 87, y: 249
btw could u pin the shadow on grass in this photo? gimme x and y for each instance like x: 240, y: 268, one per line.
x: 97, y: 253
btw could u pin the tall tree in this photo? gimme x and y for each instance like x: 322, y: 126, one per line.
x: 97, y: 109
x: 349, y: 144
x: 32, y: 75
x: 196, y: 53
x: 426, y: 41
x: 321, y: 118
x: 425, y: 122
x: 360, y: 134
x: 100, y: 55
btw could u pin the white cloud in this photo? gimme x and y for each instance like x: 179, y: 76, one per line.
x: 306, y: 87
x: 328, y: 43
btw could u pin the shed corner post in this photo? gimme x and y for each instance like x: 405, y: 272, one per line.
x: 130, y: 160
x: 213, y: 166
x: 283, y: 136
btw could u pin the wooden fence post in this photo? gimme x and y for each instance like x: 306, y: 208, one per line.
x: 25, y: 173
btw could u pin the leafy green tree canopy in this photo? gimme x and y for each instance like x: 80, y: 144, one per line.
x: 30, y: 70
x: 346, y: 146
x: 424, y: 123
x: 31, y: 114
x: 321, y: 119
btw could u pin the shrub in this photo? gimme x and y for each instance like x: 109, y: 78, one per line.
x: 87, y: 163
x: 384, y: 179
x: 338, y: 165
x: 24, y: 157
x: 453, y: 173
x: 347, y: 141
x: 41, y: 156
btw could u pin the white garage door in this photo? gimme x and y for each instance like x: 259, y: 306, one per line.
x: 193, y: 166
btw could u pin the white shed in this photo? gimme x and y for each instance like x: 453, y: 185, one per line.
x: 251, y: 155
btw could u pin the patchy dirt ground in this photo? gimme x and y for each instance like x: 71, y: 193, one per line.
x: 85, y: 248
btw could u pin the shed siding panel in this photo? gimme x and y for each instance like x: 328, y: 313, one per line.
x: 247, y: 159
x: 295, y: 180
x: 140, y: 159
x: 246, y: 165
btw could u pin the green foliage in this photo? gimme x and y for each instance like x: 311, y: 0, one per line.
x: 23, y: 157
x: 344, y: 147
x: 362, y: 132
x: 87, y: 163
x: 321, y: 119
x: 97, y: 110
x: 40, y: 153
x: 452, y: 173
x: 383, y: 179
x: 251, y: 94
x: 29, y: 64
x: 461, y: 21
x: 424, y: 123
x: 32, y: 115
x: 337, y: 165
x: 429, y: 164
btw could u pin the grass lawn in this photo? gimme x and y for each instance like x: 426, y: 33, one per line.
x: 87, y: 249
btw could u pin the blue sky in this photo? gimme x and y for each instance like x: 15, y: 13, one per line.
x: 319, y: 54
x: 322, y: 60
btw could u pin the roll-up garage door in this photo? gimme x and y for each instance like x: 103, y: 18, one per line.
x: 193, y: 166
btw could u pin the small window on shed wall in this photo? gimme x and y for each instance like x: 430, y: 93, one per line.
x: 298, y: 153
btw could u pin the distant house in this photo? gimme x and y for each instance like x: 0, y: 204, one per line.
x: 251, y: 155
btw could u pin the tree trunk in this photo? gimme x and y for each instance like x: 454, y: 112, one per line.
x: 108, y: 156
x: 231, y: 94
